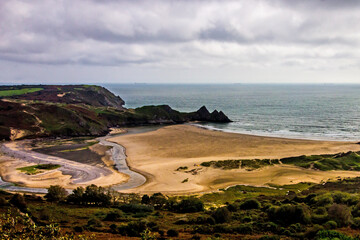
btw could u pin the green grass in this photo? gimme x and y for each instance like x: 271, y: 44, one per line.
x: 349, y: 161
x: 8, y: 93
x: 243, y: 192
x: 89, y: 144
x: 31, y: 170
x: 235, y: 164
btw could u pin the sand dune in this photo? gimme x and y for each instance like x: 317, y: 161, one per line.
x: 159, y: 153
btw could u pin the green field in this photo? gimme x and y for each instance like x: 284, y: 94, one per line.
x: 31, y: 170
x: 8, y: 93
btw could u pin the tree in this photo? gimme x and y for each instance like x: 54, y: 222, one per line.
x: 221, y: 215
x: 158, y: 200
x: 145, y: 199
x: 76, y: 197
x: 56, y: 193
x: 190, y: 205
x: 340, y: 214
x: 18, y: 201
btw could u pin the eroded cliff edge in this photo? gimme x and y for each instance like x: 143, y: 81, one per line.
x: 29, y: 111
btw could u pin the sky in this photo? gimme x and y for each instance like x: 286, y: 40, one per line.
x: 189, y: 41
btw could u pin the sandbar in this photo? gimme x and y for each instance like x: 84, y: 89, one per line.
x: 157, y: 155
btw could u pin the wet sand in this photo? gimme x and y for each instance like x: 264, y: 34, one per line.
x: 157, y: 154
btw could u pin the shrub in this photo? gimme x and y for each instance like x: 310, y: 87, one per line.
x: 172, y: 233
x: 266, y: 237
x: 244, y: 229
x: 145, y: 199
x: 158, y: 200
x: 270, y: 226
x: 250, y: 204
x: 330, y: 225
x: 288, y: 214
x: 190, y: 205
x: 56, y: 193
x: 92, y: 194
x: 3, y: 201
x: 18, y: 201
x: 356, y: 223
x: 94, y: 223
x: 340, y: 214
x: 221, y: 215
x: 78, y: 229
x: 331, y: 234
x: 113, y: 216
x: 135, y: 208
x: 324, y: 200
x: 133, y: 229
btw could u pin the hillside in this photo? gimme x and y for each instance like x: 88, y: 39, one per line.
x: 29, y: 111
x: 70, y: 94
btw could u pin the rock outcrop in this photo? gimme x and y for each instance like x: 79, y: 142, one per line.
x: 204, y: 115
x: 81, y: 110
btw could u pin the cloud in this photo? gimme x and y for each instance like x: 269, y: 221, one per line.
x: 182, y: 34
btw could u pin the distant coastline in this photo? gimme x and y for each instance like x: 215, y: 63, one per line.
x: 301, y: 111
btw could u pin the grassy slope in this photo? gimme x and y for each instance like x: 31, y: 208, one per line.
x: 8, y: 93
x: 349, y: 161
x: 303, y: 214
x: 35, y: 169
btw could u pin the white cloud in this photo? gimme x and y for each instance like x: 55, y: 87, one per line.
x: 249, y: 35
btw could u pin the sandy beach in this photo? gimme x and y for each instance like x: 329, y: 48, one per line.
x: 159, y: 153
x: 70, y: 175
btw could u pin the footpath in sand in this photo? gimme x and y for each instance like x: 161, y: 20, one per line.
x: 159, y: 153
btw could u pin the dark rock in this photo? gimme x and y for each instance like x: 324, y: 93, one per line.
x: 204, y: 115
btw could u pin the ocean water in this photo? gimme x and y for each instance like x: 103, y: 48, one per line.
x: 330, y: 112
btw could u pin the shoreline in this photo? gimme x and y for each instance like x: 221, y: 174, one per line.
x: 160, y: 173
x: 263, y: 134
x: 200, y: 185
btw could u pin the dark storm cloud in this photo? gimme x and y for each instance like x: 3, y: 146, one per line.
x: 180, y: 33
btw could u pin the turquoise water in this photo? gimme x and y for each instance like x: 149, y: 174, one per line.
x: 329, y: 112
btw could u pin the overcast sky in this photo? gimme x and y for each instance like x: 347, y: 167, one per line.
x: 154, y: 41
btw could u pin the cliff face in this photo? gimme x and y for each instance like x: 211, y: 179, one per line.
x: 70, y: 94
x: 81, y: 111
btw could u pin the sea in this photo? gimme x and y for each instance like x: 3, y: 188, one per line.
x: 319, y: 112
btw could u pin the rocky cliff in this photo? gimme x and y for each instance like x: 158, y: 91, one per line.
x: 79, y: 110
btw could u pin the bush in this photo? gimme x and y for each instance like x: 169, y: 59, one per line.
x: 288, y: 214
x: 135, y: 208
x: 250, y: 204
x: 189, y: 205
x: 92, y: 194
x: 330, y: 234
x: 133, y: 229
x: 158, y: 200
x: 330, y: 225
x: 324, y: 200
x: 172, y: 233
x: 78, y: 229
x: 340, y: 214
x: 56, y: 193
x: 3, y: 201
x: 18, y: 201
x: 244, y: 229
x: 113, y: 216
x: 145, y: 199
x: 269, y: 238
x: 221, y: 215
x: 94, y: 223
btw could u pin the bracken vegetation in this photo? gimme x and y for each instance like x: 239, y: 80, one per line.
x: 35, y: 169
x: 349, y: 161
x: 300, y: 211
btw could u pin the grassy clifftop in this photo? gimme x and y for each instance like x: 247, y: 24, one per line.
x: 70, y: 94
x: 79, y: 110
